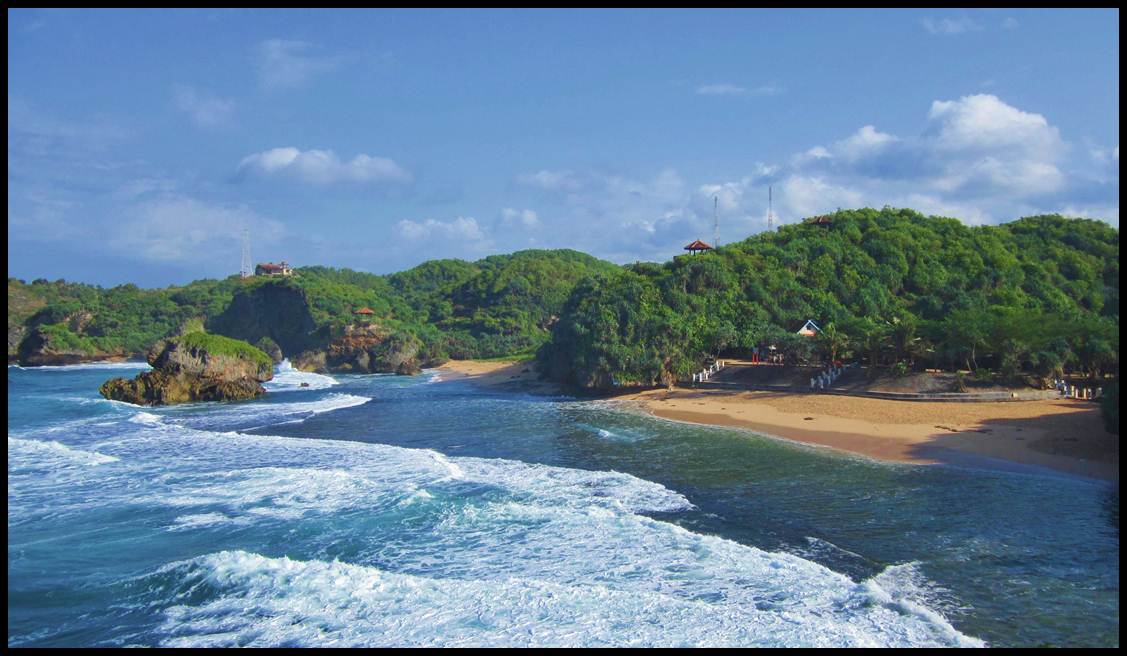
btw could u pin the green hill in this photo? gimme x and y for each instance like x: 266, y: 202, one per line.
x: 498, y: 306
x: 891, y: 287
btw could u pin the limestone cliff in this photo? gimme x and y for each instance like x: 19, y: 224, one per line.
x: 277, y: 310
x: 48, y: 345
x: 366, y: 349
x: 195, y: 367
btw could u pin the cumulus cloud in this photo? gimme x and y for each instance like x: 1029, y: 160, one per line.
x: 976, y: 145
x: 180, y: 229
x: 286, y: 64
x: 322, y: 167
x: 975, y: 158
x: 525, y: 218
x: 204, y: 110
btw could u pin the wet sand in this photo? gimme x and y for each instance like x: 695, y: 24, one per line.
x: 1062, y: 435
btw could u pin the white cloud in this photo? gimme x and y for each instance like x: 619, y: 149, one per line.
x: 983, y: 122
x: 290, y: 64
x: 526, y: 218
x: 802, y: 196
x: 725, y: 89
x: 864, y: 143
x: 948, y: 26
x: 323, y: 167
x: 1010, y: 23
x: 183, y: 230
x: 459, y: 229
x: 204, y: 109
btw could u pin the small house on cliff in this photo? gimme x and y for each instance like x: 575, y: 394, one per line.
x: 363, y: 315
x: 271, y: 269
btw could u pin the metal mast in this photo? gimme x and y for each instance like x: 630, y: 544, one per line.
x: 770, y: 210
x: 245, y: 271
x: 715, y: 222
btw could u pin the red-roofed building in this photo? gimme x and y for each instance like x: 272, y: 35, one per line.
x: 271, y: 269
x: 697, y: 246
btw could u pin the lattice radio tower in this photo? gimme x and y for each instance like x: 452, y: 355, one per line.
x: 245, y: 271
x: 715, y: 222
x: 770, y: 211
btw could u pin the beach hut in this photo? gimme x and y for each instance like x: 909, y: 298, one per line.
x: 808, y: 329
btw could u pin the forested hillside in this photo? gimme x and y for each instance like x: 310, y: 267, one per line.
x: 890, y: 287
x: 497, y: 306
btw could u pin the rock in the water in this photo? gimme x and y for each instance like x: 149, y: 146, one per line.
x: 195, y: 367
x: 271, y: 348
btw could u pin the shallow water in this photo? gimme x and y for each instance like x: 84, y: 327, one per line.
x: 383, y: 510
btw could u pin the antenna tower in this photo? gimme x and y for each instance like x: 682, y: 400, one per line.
x: 245, y: 272
x: 715, y: 222
x: 770, y: 211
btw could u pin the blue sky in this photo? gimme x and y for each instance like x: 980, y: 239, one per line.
x: 142, y: 143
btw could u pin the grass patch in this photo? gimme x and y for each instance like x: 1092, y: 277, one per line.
x: 219, y: 345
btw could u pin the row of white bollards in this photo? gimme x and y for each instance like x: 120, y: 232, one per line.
x: 1074, y: 392
x: 705, y: 374
x: 827, y: 377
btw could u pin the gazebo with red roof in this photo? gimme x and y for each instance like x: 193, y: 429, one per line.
x: 697, y: 246
x: 364, y: 313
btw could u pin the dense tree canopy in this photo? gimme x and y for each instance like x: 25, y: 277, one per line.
x: 498, y: 306
x: 890, y: 287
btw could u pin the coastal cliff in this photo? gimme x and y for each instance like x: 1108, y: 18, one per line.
x: 195, y: 367
x: 367, y: 349
x: 275, y: 310
x: 53, y: 345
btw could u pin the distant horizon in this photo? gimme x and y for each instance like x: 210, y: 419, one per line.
x: 142, y: 142
x: 295, y: 267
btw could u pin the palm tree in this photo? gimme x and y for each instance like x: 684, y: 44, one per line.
x: 833, y: 340
x: 905, y: 341
x: 876, y: 335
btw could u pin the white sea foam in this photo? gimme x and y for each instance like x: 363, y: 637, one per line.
x: 288, y: 379
x: 616, y: 435
x: 145, y: 418
x: 261, y: 601
x: 497, y: 552
x: 245, y: 416
x: 203, y: 520
x: 31, y: 453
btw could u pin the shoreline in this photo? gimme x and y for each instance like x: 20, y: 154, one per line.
x: 1059, y: 436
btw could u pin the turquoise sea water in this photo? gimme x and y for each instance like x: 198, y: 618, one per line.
x: 384, y: 510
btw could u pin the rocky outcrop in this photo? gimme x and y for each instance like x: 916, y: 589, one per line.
x: 275, y: 309
x: 44, y: 346
x: 271, y: 348
x: 195, y: 367
x: 366, y: 350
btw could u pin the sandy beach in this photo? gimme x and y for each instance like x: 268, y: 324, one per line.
x: 1063, y: 435
x: 510, y: 375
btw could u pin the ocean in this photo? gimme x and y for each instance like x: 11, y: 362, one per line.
x: 412, y: 511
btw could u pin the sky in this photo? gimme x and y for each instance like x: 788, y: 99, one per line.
x: 141, y: 144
